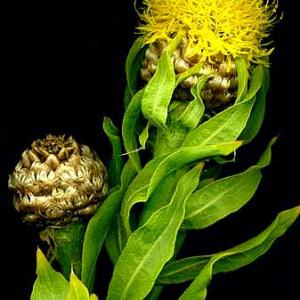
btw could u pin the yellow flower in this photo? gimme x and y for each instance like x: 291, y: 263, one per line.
x: 230, y: 27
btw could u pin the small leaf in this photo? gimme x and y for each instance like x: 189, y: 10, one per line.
x: 152, y: 245
x: 130, y: 119
x: 148, y: 179
x: 224, y: 127
x: 257, y: 77
x: 49, y: 285
x: 143, y: 137
x: 257, y: 116
x: 99, y: 225
x: 236, y: 257
x: 191, y: 71
x: 127, y: 97
x: 225, y: 196
x: 159, y: 91
x: 77, y: 290
x: 195, y: 109
x: 133, y: 64
x: 116, y: 162
x: 242, y: 75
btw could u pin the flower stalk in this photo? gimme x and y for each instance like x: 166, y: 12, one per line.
x: 65, y: 245
x: 57, y: 185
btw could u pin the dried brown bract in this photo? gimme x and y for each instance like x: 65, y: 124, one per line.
x: 57, y: 181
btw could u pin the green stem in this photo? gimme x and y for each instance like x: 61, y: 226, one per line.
x: 68, y: 242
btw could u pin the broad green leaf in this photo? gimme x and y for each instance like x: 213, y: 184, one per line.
x: 169, y: 139
x: 159, y: 91
x: 186, y: 155
x: 224, y: 127
x: 222, y: 197
x: 152, y: 245
x: 133, y: 64
x: 130, y: 119
x: 158, y: 288
x: 77, y: 290
x: 161, y: 196
x: 195, y: 109
x: 148, y: 179
x: 99, y: 225
x: 116, y: 162
x: 49, y: 285
x: 239, y: 256
x: 243, y: 75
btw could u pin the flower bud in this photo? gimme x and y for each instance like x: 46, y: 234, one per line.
x: 222, y: 72
x: 57, y: 181
x: 215, y: 33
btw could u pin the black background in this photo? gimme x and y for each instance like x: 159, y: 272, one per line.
x: 64, y: 70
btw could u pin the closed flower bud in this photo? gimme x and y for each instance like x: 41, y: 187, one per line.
x: 57, y: 181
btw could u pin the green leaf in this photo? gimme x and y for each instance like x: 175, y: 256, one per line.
x: 169, y: 139
x: 152, y: 245
x: 148, y: 179
x: 116, y: 239
x: 224, y: 127
x: 159, y: 91
x: 49, y: 285
x: 77, y: 290
x: 95, y: 235
x: 193, y: 113
x: 257, y: 77
x: 143, y: 137
x: 236, y: 257
x: 133, y: 64
x: 198, y: 288
x: 155, y: 293
x: 222, y: 197
x: 99, y: 225
x: 257, y: 116
x: 191, y: 71
x: 127, y: 97
x: 243, y: 75
x: 161, y: 196
x: 116, y: 162
x: 130, y: 119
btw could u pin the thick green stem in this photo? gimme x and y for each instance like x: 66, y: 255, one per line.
x: 68, y: 242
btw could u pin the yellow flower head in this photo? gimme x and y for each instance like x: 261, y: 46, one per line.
x: 231, y: 27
